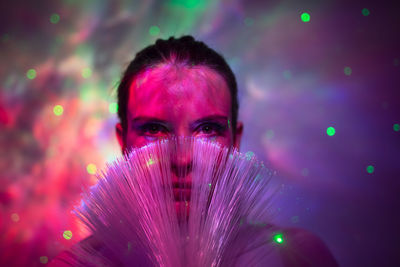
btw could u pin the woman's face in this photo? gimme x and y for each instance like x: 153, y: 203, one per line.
x: 181, y: 101
x: 172, y: 100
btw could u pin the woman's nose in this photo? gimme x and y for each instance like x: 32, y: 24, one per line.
x: 182, y: 156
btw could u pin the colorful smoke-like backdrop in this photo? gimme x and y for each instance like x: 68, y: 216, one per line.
x: 319, y: 97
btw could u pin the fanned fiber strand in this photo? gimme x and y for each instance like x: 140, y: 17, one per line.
x: 181, y: 201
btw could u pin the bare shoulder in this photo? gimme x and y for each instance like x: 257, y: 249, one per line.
x: 303, y: 248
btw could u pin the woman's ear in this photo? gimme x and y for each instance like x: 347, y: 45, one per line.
x: 120, y: 136
x: 238, y: 135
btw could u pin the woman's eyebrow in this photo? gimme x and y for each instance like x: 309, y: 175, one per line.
x: 147, y: 119
x: 211, y: 118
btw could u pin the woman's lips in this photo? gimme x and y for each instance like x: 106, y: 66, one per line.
x: 181, y: 187
x: 182, y: 193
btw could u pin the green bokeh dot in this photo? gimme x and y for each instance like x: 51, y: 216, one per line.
x: 113, y: 108
x: 58, y: 110
x: 347, y: 71
x: 330, y: 131
x: 67, y: 234
x: 54, y: 18
x: 44, y: 260
x: 248, y: 21
x: 370, y: 169
x: 305, y: 17
x: 365, y: 11
x: 154, y: 31
x: 91, y: 168
x: 86, y: 73
x: 278, y: 238
x: 31, y: 74
x: 396, y: 127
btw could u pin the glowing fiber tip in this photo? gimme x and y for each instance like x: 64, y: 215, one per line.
x: 278, y: 238
x: 150, y: 162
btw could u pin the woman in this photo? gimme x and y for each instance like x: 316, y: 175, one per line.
x: 181, y: 87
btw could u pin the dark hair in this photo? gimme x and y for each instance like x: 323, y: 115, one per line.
x: 186, y: 50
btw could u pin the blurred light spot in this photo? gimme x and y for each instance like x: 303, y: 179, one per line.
x: 186, y: 3
x: 5, y: 37
x: 269, y: 134
x: 91, y: 168
x: 54, y: 18
x: 287, y: 74
x: 150, y: 162
x: 43, y: 259
x: 31, y: 74
x: 83, y: 50
x: 305, y: 17
x: 15, y: 217
x: 330, y: 131
x: 365, y: 11
x: 347, y: 71
x: 295, y: 219
x: 396, y: 62
x: 278, y: 238
x: 154, y: 31
x: 370, y: 169
x: 58, y: 110
x: 86, y: 73
x: 304, y: 172
x: 113, y: 108
x: 396, y: 127
x: 67, y: 234
x: 249, y: 155
x: 248, y: 21
x: 209, y: 185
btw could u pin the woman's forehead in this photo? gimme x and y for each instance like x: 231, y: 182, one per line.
x: 172, y: 88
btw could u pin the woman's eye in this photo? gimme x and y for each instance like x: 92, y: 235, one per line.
x: 153, y: 128
x: 210, y: 128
